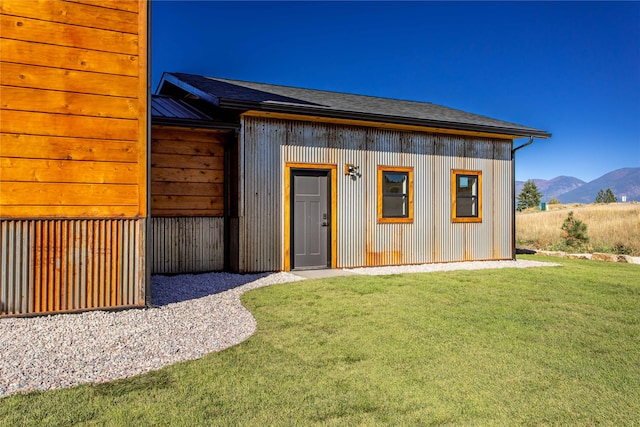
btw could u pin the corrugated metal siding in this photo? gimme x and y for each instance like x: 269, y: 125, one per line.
x: 187, y: 244
x: 68, y: 265
x: 432, y: 237
x: 503, y: 203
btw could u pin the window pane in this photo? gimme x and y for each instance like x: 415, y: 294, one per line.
x: 394, y: 182
x: 394, y: 207
x: 466, y: 207
x: 467, y: 185
x: 395, y: 194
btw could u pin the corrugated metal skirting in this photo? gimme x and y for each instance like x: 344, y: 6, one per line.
x: 49, y: 266
x: 187, y: 244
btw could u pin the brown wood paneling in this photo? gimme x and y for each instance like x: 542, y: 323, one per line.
x: 47, y: 193
x: 127, y: 5
x: 186, y: 175
x: 187, y: 171
x: 187, y: 162
x: 38, y: 77
x: 26, y: 29
x: 69, y: 211
x: 85, y: 15
x: 188, y: 134
x: 73, y: 116
x: 180, y: 213
x: 60, y: 148
x: 22, y: 52
x: 58, y: 171
x: 192, y: 148
x: 30, y: 123
x: 187, y: 203
x: 187, y: 189
x: 49, y: 101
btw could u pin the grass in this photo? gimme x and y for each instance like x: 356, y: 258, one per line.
x: 612, y: 228
x: 541, y: 346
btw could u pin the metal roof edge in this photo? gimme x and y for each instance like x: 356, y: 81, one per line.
x: 176, y: 81
x: 312, y: 110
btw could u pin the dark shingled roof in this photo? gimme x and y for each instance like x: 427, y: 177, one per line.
x: 242, y: 95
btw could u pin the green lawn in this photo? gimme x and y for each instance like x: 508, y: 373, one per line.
x: 539, y: 346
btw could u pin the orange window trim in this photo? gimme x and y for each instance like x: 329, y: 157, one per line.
x: 409, y: 218
x: 454, y: 186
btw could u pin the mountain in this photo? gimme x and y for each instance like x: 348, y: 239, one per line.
x: 567, y: 189
x: 554, y: 187
x: 625, y: 181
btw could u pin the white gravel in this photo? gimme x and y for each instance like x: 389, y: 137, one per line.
x: 449, y: 266
x: 194, y: 315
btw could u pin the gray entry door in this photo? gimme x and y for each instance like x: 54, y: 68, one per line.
x: 310, y: 227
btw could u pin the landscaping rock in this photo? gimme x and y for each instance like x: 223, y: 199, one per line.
x: 632, y: 259
x: 608, y: 257
x: 552, y: 253
x: 578, y: 256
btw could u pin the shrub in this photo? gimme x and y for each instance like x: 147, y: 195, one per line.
x: 553, y: 201
x: 575, y: 232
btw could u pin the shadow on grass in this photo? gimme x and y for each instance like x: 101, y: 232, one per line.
x: 151, y: 381
x: 171, y: 289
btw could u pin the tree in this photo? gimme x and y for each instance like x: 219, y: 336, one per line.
x: 600, y: 196
x: 606, y: 196
x: 609, y: 197
x: 553, y: 201
x: 575, y: 231
x: 530, y: 196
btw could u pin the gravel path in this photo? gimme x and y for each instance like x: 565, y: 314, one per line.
x: 195, y: 315
x: 450, y: 266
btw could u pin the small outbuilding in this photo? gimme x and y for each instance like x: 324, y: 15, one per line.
x: 317, y: 179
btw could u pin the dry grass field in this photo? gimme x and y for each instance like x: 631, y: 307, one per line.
x: 613, y: 228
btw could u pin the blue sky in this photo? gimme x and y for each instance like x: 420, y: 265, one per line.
x: 570, y: 68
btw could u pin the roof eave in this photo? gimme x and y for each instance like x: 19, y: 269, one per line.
x: 312, y: 110
x: 170, y: 78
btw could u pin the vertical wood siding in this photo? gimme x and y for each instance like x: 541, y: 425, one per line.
x: 187, y: 171
x: 73, y: 92
x: 51, y: 266
x: 361, y: 241
x: 187, y: 245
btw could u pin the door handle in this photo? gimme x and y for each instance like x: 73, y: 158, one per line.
x: 325, y: 224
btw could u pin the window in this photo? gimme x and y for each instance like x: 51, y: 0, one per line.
x: 466, y: 195
x: 395, y: 194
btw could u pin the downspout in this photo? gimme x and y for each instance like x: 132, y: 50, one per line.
x: 513, y: 195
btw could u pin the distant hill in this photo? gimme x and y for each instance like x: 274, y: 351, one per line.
x: 567, y: 189
x: 554, y: 187
x: 624, y: 181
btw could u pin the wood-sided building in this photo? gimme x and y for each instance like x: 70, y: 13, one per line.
x: 319, y: 179
x: 188, y: 186
x: 73, y: 154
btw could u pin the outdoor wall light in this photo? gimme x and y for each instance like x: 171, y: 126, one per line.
x: 352, y: 170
